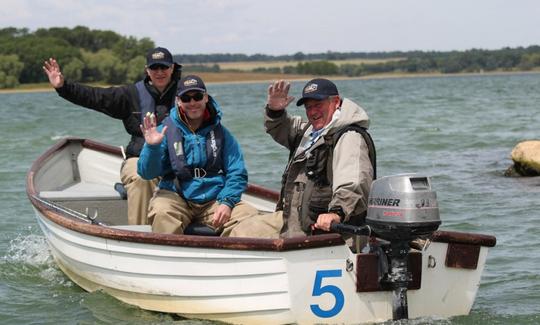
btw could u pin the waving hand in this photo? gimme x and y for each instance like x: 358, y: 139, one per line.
x: 52, y: 69
x: 278, y: 95
x: 149, y: 130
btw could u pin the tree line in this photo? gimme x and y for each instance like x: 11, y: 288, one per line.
x: 85, y: 55
x: 299, y: 56
x: 475, y: 60
x: 104, y: 56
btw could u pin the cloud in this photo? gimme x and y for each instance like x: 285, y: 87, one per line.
x: 289, y: 26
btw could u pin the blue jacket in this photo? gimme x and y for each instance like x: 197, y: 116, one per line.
x: 227, y: 189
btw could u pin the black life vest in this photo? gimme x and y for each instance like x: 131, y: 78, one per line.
x: 143, y: 102
x: 147, y: 104
x: 317, y: 162
x: 214, y: 149
x: 319, y: 172
x: 316, y: 166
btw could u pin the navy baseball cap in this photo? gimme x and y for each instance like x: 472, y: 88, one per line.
x: 318, y: 89
x: 189, y: 83
x: 159, y: 55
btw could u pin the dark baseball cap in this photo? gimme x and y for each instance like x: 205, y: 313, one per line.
x: 189, y: 83
x: 159, y: 55
x: 318, y: 89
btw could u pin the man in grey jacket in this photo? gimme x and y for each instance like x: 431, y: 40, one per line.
x: 331, y: 163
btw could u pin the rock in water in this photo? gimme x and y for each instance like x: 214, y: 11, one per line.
x: 526, y: 157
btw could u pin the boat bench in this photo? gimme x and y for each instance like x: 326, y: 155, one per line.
x: 87, y: 197
x: 83, y: 191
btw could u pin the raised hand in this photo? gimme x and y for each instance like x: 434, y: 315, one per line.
x: 278, y: 95
x: 52, y: 69
x: 149, y: 130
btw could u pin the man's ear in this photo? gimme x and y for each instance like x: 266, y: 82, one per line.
x: 336, y: 101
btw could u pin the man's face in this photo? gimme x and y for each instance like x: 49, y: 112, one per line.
x: 319, y: 112
x: 193, y: 104
x: 160, y: 75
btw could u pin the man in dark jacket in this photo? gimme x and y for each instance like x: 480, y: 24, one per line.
x: 154, y: 94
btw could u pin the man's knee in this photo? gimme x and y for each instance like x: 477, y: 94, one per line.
x: 167, y: 213
x: 243, y: 210
x: 163, y: 220
x: 258, y: 226
x: 166, y: 224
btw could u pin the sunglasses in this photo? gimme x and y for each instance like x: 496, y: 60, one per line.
x: 158, y: 67
x: 187, y: 98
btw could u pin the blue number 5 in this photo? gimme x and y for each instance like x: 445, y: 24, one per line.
x: 318, y: 290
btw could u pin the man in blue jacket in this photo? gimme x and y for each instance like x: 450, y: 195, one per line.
x: 200, y: 162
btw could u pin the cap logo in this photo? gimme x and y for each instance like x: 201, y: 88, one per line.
x: 310, y: 88
x: 158, y: 56
x: 190, y: 82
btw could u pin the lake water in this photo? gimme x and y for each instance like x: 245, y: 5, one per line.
x: 458, y: 130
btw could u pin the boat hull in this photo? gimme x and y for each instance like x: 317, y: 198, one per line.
x: 251, y: 287
x: 303, y: 280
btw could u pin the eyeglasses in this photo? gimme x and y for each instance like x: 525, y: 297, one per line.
x: 158, y: 67
x: 185, y: 98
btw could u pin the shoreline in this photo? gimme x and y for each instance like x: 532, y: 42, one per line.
x: 221, y: 78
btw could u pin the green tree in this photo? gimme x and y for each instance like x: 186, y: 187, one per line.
x: 530, y: 61
x: 350, y: 70
x: 129, y: 48
x: 74, y: 69
x: 10, y: 70
x: 289, y: 69
x: 104, y: 66
x: 135, y: 69
x: 317, y: 68
x: 299, y: 56
x: 82, y: 37
x: 107, y: 53
x: 13, y: 32
x: 33, y: 50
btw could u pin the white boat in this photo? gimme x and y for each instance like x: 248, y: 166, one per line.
x: 303, y: 280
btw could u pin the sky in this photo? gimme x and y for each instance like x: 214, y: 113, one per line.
x: 278, y: 27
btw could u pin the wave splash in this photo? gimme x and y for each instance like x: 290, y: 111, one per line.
x: 29, y: 255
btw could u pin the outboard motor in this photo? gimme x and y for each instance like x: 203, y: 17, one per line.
x: 401, y: 208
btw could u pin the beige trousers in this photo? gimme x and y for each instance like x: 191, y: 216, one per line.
x: 139, y: 192
x: 261, y: 226
x: 269, y: 226
x: 171, y: 214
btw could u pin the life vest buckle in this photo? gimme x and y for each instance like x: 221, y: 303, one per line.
x: 199, y: 172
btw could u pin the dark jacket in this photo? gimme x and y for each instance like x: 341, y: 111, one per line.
x: 122, y: 102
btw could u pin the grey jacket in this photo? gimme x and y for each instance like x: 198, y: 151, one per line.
x: 350, y: 174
